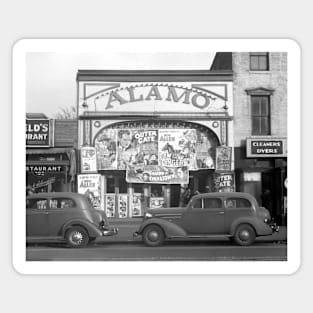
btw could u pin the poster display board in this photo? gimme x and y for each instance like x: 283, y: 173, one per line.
x: 88, y: 159
x: 90, y: 185
x: 136, y: 204
x: 109, y: 202
x: 224, y: 182
x: 122, y: 205
x: 223, y: 158
x: 157, y: 202
x: 157, y: 175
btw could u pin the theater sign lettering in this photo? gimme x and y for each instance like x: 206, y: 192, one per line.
x: 155, y: 97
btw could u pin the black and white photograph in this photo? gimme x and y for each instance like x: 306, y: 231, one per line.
x: 149, y: 161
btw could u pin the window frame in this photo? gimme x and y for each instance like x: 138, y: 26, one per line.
x: 260, y: 116
x: 258, y: 56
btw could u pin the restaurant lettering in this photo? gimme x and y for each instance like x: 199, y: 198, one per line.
x: 41, y: 170
x: 160, y: 92
x: 37, y: 133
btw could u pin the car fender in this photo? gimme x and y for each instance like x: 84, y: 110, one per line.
x: 91, y: 228
x: 260, y: 227
x: 170, y: 229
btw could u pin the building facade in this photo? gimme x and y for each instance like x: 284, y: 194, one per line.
x: 50, y: 154
x: 151, y: 138
x: 260, y: 128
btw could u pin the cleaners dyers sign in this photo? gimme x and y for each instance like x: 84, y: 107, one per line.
x: 266, y: 147
x: 38, y: 133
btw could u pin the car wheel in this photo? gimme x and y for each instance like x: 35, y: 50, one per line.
x: 153, y: 236
x: 244, y: 235
x: 77, y: 237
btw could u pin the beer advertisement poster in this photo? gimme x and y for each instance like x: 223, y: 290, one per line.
x: 88, y: 160
x: 90, y: 186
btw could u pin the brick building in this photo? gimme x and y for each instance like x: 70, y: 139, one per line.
x: 260, y: 127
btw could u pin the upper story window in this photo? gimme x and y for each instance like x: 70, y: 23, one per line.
x: 260, y: 115
x: 259, y: 61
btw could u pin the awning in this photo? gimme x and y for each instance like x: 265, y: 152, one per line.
x: 48, y: 151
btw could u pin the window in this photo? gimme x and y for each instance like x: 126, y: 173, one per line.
x: 260, y: 115
x: 259, y: 61
x: 61, y: 203
x: 211, y: 203
x: 197, y: 203
x: 233, y: 203
x: 40, y: 204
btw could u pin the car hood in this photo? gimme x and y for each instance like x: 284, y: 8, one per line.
x: 167, y: 212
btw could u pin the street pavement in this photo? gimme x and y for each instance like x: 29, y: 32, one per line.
x: 123, y: 247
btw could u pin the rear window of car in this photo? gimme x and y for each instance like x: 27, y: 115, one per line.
x: 212, y: 203
x: 237, y: 203
x: 197, y: 203
x: 62, y: 203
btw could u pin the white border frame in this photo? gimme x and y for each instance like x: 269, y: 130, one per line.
x: 155, y: 45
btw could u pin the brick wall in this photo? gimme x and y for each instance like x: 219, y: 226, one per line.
x: 275, y: 79
x: 66, y: 133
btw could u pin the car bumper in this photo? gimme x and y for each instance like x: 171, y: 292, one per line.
x: 275, y: 228
x: 110, y: 232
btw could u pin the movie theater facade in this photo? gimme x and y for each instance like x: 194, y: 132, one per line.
x: 148, y: 138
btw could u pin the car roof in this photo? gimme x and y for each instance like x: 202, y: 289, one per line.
x: 225, y: 194
x: 55, y: 194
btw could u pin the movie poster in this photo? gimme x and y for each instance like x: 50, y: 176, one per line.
x: 224, y: 182
x: 223, y: 158
x: 204, y: 152
x: 109, y: 200
x: 105, y: 144
x: 136, y: 204
x: 122, y: 204
x: 177, y: 148
x: 88, y: 159
x: 157, y: 202
x: 146, y: 141
x: 127, y: 150
x: 90, y: 185
x: 157, y: 175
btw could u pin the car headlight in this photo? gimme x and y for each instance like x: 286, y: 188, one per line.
x: 266, y: 220
x: 148, y: 215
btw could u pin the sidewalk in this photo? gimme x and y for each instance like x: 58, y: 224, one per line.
x: 128, y: 227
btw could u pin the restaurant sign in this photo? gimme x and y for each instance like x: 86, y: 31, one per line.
x: 266, y: 147
x: 42, y: 170
x: 38, y: 133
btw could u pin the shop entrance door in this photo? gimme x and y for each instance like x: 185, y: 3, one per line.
x: 175, y: 195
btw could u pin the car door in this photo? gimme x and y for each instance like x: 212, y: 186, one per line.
x: 37, y: 217
x: 204, y: 217
x: 61, y: 210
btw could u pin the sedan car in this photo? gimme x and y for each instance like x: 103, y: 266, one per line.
x: 66, y: 217
x: 234, y: 215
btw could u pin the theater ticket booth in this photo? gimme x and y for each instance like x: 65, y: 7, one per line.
x: 153, y: 135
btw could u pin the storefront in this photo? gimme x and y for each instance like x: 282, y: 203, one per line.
x: 263, y: 173
x: 153, y: 138
x: 50, y: 154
